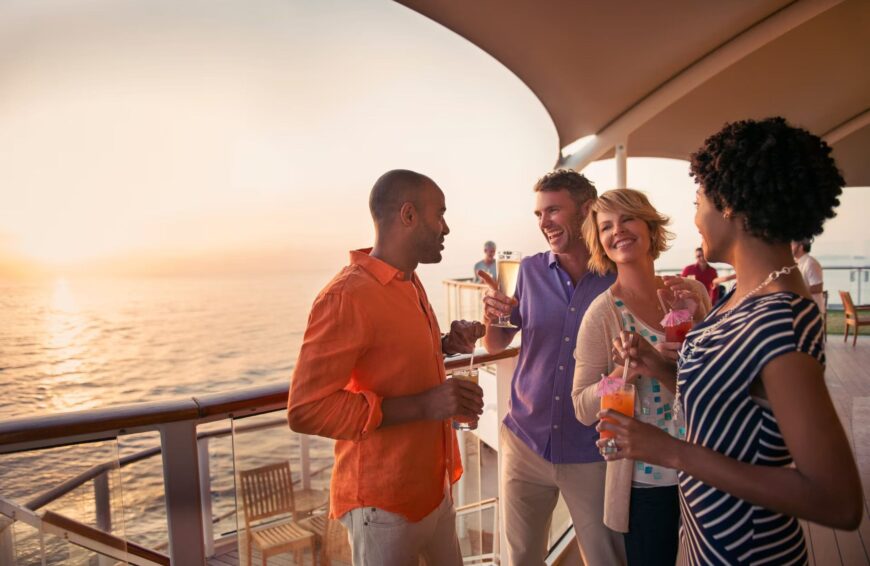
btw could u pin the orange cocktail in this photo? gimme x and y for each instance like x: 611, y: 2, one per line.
x: 622, y: 400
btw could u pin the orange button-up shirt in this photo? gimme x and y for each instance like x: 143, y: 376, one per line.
x: 372, y: 334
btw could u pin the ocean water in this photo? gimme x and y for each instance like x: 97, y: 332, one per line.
x: 70, y: 345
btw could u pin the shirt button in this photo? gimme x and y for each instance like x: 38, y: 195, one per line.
x: 555, y: 426
x: 573, y: 309
x: 567, y: 339
x: 561, y: 368
x: 557, y: 397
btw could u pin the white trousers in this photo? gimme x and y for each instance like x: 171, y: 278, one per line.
x: 530, y: 488
x: 381, y: 538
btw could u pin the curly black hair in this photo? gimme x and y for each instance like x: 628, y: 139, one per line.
x: 780, y: 178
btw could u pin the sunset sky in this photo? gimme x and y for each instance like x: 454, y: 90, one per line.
x: 162, y: 137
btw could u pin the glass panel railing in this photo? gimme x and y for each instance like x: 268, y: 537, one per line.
x: 66, y: 506
x: 560, y: 524
x: 145, y: 502
x: 218, y: 486
x: 863, y: 284
x: 475, y: 495
x: 282, y: 489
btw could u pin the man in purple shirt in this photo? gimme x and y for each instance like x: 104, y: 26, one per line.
x: 545, y: 450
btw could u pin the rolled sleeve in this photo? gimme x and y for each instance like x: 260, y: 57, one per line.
x: 376, y: 414
x: 323, y: 400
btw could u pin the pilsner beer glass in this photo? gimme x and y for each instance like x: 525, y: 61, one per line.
x: 508, y: 267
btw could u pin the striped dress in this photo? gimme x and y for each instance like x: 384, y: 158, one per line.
x: 715, y: 372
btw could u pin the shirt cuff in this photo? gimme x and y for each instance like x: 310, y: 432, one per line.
x: 376, y: 415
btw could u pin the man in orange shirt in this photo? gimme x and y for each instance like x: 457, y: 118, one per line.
x: 371, y: 375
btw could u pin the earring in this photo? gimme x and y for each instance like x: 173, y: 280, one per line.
x: 726, y: 215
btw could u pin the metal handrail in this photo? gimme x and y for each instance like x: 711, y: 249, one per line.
x: 176, y: 421
x: 76, y: 481
x: 92, y: 425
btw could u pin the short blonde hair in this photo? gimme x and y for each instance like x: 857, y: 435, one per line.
x: 634, y: 203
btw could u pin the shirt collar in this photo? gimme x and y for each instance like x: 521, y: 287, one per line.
x: 552, y: 260
x: 380, y: 270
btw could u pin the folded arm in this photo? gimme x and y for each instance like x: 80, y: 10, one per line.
x: 320, y: 402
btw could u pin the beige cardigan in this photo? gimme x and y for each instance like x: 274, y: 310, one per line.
x: 601, y: 325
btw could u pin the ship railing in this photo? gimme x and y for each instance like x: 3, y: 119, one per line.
x: 479, y: 556
x: 186, y: 470
x: 852, y: 278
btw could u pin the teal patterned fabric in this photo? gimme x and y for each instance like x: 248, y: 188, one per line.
x: 654, y: 406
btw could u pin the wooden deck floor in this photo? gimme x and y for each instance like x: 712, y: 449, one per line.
x: 848, y: 379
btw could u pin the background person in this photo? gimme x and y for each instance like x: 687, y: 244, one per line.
x: 626, y: 234
x: 811, y: 271
x: 703, y: 272
x: 545, y: 451
x: 764, y: 445
x: 371, y: 375
x: 487, y: 264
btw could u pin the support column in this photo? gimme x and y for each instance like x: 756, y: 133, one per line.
x: 621, y: 150
x: 103, y: 505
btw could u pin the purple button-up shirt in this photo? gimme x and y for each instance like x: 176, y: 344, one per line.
x: 549, y: 313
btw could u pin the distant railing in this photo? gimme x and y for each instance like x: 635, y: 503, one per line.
x: 464, y: 299
x: 185, y: 453
x: 852, y: 278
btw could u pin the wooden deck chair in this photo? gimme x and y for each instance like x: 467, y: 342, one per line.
x: 335, y: 547
x: 267, y: 493
x: 852, y: 316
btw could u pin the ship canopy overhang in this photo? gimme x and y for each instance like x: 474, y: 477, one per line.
x: 661, y: 76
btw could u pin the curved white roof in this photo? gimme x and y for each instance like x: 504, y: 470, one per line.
x: 664, y: 75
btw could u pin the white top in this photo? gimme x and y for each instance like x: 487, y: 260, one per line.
x: 654, y: 406
x: 812, y: 273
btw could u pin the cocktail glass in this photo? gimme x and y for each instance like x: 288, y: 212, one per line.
x: 620, y: 399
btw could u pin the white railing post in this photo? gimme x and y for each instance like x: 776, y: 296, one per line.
x: 305, y: 460
x: 205, y: 495
x: 183, y: 499
x: 7, y: 543
x: 103, y: 506
x: 504, y: 371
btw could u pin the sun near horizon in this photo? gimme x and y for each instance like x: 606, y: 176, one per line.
x: 240, y: 140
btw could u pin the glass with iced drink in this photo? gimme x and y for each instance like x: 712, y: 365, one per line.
x: 679, y: 320
x: 676, y: 332
x: 466, y: 374
x: 619, y: 396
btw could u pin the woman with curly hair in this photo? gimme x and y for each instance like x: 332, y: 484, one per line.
x: 763, y: 444
x: 626, y: 234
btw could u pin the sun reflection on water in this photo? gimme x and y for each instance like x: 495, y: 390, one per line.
x: 65, y: 381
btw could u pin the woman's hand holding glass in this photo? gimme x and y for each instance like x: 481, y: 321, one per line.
x: 636, y: 440
x: 678, y: 291
x: 644, y: 358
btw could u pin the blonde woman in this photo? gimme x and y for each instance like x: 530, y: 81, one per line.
x: 625, y: 234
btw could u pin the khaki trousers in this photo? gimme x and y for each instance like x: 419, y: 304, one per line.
x: 381, y: 538
x: 530, y: 487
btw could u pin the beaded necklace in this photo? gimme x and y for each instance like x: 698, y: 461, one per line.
x: 773, y: 276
